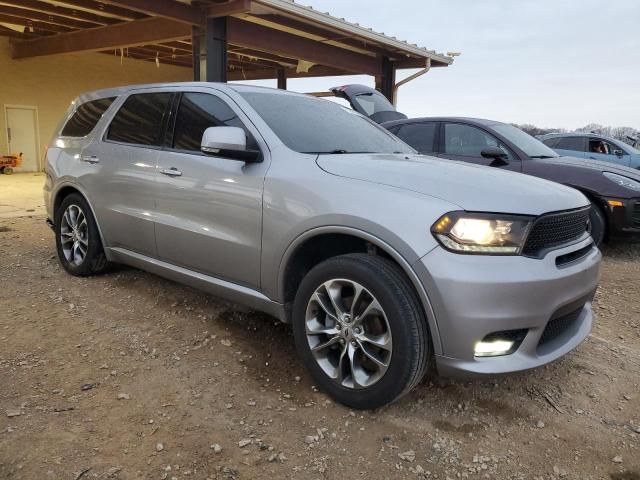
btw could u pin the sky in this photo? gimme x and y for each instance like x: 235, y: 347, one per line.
x: 551, y: 63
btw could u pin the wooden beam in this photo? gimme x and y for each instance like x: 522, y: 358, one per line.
x: 127, y: 34
x: 46, y: 17
x: 43, y: 7
x: 284, y: 61
x: 8, y: 32
x: 23, y: 22
x: 170, y: 9
x: 100, y: 8
x: 233, y: 7
x: 251, y: 35
x: 272, y: 73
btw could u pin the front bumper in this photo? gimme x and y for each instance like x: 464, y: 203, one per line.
x: 474, y: 295
x: 624, y: 219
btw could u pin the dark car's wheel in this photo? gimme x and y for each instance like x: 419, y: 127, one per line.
x: 598, y: 224
x: 359, y: 328
x: 77, y: 239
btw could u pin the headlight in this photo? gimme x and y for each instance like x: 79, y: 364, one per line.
x: 623, y: 181
x: 482, y: 233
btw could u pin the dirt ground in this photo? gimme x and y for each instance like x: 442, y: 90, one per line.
x: 130, y: 376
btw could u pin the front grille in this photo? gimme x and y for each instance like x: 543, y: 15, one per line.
x: 556, y: 229
x: 636, y: 215
x: 559, y: 326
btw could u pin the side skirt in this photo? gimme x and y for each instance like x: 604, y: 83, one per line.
x: 220, y: 288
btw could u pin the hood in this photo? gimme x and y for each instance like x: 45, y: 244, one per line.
x: 471, y: 187
x: 589, y: 164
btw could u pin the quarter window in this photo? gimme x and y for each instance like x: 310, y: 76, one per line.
x: 86, y: 117
x: 575, y: 144
x: 468, y: 141
x: 140, y: 120
x: 199, y: 111
x: 420, y: 136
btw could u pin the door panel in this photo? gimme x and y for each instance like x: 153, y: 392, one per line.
x: 209, y: 209
x: 22, y: 137
x: 465, y: 143
x: 124, y: 171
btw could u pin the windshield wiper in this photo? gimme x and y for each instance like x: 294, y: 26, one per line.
x: 335, y: 152
x: 542, y: 157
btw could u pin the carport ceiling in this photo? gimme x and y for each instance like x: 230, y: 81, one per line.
x: 264, y: 36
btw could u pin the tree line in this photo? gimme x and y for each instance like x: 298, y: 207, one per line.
x: 626, y: 134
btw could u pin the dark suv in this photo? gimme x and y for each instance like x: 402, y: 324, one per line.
x: 614, y: 190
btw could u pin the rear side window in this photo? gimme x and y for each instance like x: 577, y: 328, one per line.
x: 420, y: 136
x: 199, y: 111
x: 575, y: 144
x: 86, y: 117
x: 140, y: 120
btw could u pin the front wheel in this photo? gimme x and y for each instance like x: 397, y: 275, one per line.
x: 360, y: 330
x: 598, y: 224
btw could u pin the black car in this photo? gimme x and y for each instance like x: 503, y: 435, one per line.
x: 614, y: 190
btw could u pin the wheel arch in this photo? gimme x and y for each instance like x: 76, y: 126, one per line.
x: 289, y: 273
x: 66, y: 189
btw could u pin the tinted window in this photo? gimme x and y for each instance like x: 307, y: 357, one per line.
x: 420, y: 136
x: 86, y: 117
x: 140, y: 120
x: 597, y: 145
x: 199, y: 111
x: 310, y: 125
x: 551, y: 142
x: 467, y: 141
x: 571, y: 143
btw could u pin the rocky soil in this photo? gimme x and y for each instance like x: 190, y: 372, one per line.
x: 129, y: 376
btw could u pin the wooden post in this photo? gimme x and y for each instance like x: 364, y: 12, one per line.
x: 216, y: 49
x: 387, y: 80
x: 282, y: 79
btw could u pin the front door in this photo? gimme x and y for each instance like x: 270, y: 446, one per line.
x: 22, y: 136
x: 466, y: 143
x: 601, y: 149
x: 209, y: 208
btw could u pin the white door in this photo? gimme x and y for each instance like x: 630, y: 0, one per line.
x: 22, y: 136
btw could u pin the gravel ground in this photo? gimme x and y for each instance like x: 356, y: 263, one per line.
x: 129, y: 376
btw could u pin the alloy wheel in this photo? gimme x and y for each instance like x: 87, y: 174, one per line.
x: 348, y: 333
x: 74, y: 235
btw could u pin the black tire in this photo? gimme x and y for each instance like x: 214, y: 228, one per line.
x: 407, y: 323
x: 598, y: 224
x: 94, y: 262
x: 7, y: 170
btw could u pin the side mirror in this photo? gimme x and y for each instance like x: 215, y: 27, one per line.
x: 618, y: 153
x: 499, y: 156
x: 229, y: 142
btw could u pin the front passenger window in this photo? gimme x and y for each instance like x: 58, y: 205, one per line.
x: 199, y: 111
x: 467, y: 141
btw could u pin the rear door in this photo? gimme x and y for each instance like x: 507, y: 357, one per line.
x: 124, y: 159
x: 210, y: 207
x: 573, y: 146
x: 422, y: 136
x: 464, y: 142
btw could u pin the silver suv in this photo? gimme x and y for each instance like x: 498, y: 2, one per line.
x: 380, y: 258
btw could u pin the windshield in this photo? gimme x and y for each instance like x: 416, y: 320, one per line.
x: 310, y: 125
x: 531, y: 146
x: 371, y: 103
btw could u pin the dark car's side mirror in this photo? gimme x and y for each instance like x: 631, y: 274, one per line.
x: 499, y: 156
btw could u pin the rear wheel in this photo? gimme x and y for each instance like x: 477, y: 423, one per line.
x: 360, y: 330
x: 598, y: 224
x: 77, y: 238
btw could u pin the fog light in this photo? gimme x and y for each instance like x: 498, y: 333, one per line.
x: 493, y: 348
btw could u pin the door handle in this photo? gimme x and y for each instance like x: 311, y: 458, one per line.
x: 171, y: 172
x: 92, y: 159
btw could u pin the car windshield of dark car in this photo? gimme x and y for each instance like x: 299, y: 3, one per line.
x: 533, y: 147
x: 311, y: 125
